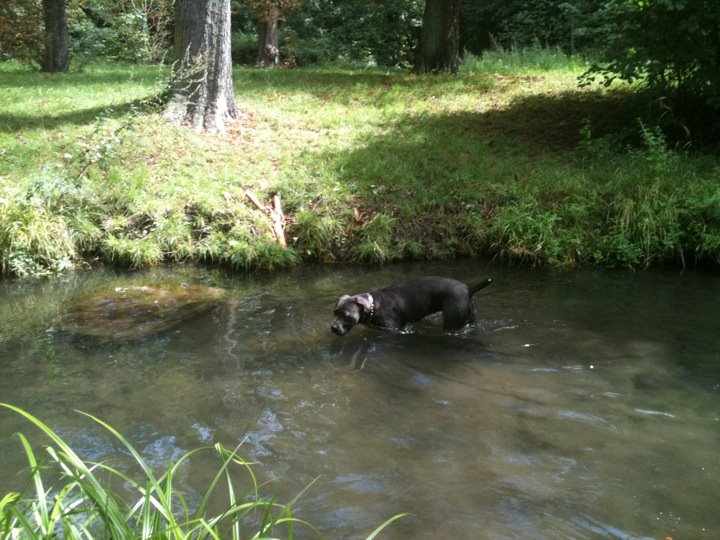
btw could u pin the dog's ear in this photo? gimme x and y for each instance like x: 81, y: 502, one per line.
x: 363, y: 300
x: 342, y: 299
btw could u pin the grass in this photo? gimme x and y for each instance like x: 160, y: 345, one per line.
x: 508, y: 159
x: 70, y: 498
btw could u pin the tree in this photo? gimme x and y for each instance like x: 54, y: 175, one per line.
x: 269, y: 13
x: 440, y: 37
x: 56, y: 58
x: 201, y: 89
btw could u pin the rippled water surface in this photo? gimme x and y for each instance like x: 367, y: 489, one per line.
x: 581, y: 405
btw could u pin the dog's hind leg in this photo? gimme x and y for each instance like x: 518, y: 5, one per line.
x: 456, y: 315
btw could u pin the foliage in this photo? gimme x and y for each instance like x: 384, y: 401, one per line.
x: 131, y: 30
x: 568, y: 26
x: 272, y: 9
x: 671, y: 46
x: 75, y: 499
x: 244, y: 47
x: 21, y: 30
x: 375, y: 33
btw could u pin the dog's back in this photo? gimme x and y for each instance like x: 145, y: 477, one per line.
x: 419, y: 297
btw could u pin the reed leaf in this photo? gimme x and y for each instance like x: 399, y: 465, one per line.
x: 386, y: 523
x: 80, y: 507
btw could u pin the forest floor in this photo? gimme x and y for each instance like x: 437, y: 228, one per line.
x: 509, y: 159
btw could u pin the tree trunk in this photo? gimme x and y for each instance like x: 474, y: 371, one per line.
x: 201, y: 90
x: 268, y: 51
x: 56, y: 57
x: 439, y: 39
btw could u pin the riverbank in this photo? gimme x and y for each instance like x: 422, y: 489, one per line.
x: 509, y: 159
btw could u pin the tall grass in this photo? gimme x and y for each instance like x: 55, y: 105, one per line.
x: 70, y: 498
x: 514, y: 60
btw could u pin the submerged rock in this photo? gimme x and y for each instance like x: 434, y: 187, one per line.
x: 134, y: 311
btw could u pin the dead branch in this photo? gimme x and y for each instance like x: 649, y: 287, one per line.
x: 276, y: 218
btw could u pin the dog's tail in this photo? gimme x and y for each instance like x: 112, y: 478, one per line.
x: 475, y: 288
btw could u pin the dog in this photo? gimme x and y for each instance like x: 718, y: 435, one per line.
x: 392, y: 307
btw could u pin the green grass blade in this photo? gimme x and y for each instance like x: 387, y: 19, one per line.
x: 228, y: 458
x: 24, y: 526
x: 386, y: 523
x: 77, y: 470
x: 41, y: 503
x: 158, y: 500
x: 82, y: 507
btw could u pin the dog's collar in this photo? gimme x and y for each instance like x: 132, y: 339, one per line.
x: 372, y: 306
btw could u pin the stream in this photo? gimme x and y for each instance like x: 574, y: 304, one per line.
x: 581, y: 404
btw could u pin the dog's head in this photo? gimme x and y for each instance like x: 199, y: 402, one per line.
x: 349, y: 311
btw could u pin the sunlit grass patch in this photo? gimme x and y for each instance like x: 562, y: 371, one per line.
x: 525, y: 60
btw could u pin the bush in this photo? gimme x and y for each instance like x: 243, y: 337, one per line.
x: 21, y: 31
x: 672, y: 48
x: 375, y: 33
x: 244, y: 47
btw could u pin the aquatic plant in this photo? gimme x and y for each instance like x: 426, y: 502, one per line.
x: 73, y: 499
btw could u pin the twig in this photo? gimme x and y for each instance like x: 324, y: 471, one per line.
x: 275, y: 215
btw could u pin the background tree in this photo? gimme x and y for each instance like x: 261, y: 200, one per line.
x: 56, y: 58
x: 439, y: 47
x: 201, y: 90
x: 269, y: 13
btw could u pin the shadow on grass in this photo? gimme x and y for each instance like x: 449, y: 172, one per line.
x: 18, y: 76
x: 440, y: 159
x: 11, y: 123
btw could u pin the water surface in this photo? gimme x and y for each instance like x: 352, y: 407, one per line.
x: 581, y: 405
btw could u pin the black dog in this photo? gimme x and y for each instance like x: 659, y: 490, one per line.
x: 391, y: 308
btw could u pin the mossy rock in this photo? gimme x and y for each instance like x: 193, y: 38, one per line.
x: 134, y: 311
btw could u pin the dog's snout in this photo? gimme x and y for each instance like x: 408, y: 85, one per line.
x: 337, y: 328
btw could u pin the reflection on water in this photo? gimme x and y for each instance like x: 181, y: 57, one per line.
x: 580, y: 405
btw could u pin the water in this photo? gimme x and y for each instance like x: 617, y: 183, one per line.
x: 581, y: 405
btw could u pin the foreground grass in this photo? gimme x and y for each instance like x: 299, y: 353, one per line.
x: 73, y: 499
x: 508, y: 159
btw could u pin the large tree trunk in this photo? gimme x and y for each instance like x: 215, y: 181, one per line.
x: 201, y: 91
x: 268, y: 51
x: 56, y: 57
x: 439, y: 40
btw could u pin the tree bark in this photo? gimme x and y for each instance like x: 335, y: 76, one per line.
x: 438, y: 50
x: 268, y: 50
x: 201, y: 90
x: 56, y: 58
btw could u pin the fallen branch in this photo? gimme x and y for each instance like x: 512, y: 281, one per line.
x: 275, y: 215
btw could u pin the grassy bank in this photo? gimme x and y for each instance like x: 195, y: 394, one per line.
x: 508, y: 159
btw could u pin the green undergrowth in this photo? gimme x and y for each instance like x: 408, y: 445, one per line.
x: 66, y: 496
x: 508, y: 159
